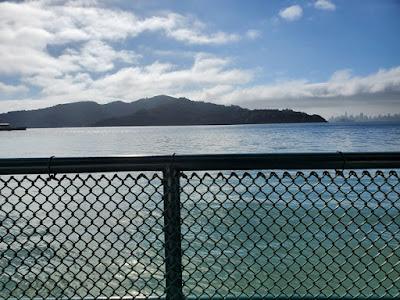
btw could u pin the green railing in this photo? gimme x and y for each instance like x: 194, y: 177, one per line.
x: 298, y: 226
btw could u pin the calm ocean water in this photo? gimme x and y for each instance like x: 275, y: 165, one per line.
x: 200, y: 139
x: 250, y: 234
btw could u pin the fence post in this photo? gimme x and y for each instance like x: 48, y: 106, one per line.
x: 172, y: 234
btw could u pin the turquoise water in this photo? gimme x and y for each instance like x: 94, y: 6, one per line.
x: 305, y: 234
x: 243, y: 234
x: 200, y: 139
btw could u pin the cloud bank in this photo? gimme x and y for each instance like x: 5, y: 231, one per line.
x: 341, y: 85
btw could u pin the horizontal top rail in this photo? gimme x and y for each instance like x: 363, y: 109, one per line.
x: 281, y: 161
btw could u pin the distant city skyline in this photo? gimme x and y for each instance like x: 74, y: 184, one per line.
x: 325, y: 57
x: 361, y: 117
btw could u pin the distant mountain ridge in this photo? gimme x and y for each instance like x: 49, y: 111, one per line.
x: 156, y: 111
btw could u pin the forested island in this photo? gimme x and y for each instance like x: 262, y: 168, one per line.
x: 156, y: 111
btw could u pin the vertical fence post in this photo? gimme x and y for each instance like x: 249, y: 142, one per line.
x: 172, y: 234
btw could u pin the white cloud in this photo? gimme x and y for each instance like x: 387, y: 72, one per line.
x: 86, y: 35
x: 160, y: 78
x: 12, y: 89
x: 28, y: 29
x: 97, y: 56
x: 253, y: 34
x: 378, y: 88
x: 324, y: 5
x: 291, y: 13
x: 205, y: 76
x: 190, y: 31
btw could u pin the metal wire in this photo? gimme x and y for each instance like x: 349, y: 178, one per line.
x: 315, y: 234
x: 82, y: 236
x: 203, y: 234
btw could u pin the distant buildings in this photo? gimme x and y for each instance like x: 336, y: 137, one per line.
x: 365, y: 118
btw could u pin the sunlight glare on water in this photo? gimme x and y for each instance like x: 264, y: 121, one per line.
x: 140, y: 141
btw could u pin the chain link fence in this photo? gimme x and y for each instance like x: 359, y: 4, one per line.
x: 323, y: 234
x: 200, y: 234
x: 81, y: 236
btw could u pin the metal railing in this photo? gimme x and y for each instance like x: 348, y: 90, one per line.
x: 204, y: 226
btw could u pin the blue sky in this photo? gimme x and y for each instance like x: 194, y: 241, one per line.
x: 318, y: 56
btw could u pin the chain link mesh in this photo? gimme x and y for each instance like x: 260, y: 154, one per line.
x: 244, y: 234
x: 264, y: 234
x: 81, y: 236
